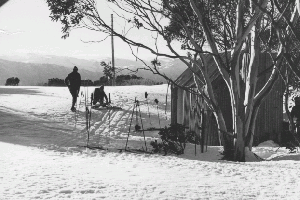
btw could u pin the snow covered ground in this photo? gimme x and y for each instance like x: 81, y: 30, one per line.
x: 40, y: 157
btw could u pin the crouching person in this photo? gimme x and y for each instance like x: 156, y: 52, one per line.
x: 99, y: 95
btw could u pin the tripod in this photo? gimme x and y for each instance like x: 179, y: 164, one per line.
x: 136, y: 107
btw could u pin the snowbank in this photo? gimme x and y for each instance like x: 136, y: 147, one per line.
x: 268, y: 143
x: 53, y: 166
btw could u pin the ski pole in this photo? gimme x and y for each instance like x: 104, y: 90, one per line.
x: 87, y: 124
x: 137, y: 127
x: 167, y: 101
x: 130, y: 125
x: 108, y: 120
x: 86, y: 114
x: 142, y: 126
x: 146, y: 95
x: 90, y: 117
x: 156, y: 101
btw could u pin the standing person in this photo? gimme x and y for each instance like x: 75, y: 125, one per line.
x: 99, y: 96
x: 73, y: 81
x: 295, y: 113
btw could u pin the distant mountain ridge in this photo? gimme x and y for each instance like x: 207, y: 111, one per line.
x: 34, y: 74
x: 33, y: 69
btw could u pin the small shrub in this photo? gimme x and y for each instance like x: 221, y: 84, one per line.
x: 193, y: 138
x: 157, y: 147
x: 174, y: 139
x: 289, y: 141
x: 12, y: 81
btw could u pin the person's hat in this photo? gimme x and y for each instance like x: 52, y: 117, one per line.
x: 75, y: 68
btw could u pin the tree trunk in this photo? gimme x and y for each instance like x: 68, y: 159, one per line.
x: 225, y: 137
x: 239, y: 153
x: 247, y: 88
x: 237, y: 94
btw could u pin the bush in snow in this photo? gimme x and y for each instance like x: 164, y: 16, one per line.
x: 174, y: 139
x: 290, y: 141
x: 12, y: 81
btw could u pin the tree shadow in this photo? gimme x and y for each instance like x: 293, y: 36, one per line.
x: 17, y: 90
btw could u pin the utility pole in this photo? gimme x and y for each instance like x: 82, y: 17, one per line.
x: 113, y: 52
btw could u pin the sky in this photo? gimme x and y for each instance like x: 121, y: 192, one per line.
x: 25, y: 27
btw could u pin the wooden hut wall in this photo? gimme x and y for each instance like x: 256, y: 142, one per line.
x: 211, y: 129
x: 197, y: 119
x: 199, y: 111
x: 223, y: 98
x: 179, y: 106
x: 186, y: 108
x: 174, y: 97
x: 270, y: 115
x: 196, y: 105
x: 193, y: 102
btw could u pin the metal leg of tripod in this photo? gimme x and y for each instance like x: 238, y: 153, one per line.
x: 142, y: 127
x: 134, y: 106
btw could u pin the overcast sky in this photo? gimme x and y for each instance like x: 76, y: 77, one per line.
x: 25, y: 27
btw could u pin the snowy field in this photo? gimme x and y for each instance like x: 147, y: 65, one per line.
x: 41, y: 157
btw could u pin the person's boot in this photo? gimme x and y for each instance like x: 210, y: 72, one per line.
x: 73, y: 109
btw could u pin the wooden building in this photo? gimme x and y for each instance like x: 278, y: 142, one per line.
x: 189, y: 109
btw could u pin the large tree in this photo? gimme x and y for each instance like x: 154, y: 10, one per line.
x: 234, y: 28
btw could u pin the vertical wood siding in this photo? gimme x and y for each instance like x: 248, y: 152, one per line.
x: 270, y: 116
x: 180, y: 106
x: 186, y: 108
x: 223, y: 98
x: 189, y: 113
x: 174, y: 97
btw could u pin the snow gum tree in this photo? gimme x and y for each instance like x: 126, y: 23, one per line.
x: 238, y: 29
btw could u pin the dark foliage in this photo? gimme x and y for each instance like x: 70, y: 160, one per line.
x: 67, y: 13
x: 122, y: 78
x: 174, y: 139
x: 126, y: 80
x: 87, y: 82
x: 288, y: 141
x: 108, y: 70
x: 56, y: 82
x: 193, y: 138
x: 218, y: 15
x: 12, y: 81
x: 102, y: 81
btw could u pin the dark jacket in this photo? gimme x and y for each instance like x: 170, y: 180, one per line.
x: 99, y: 95
x: 73, y: 80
